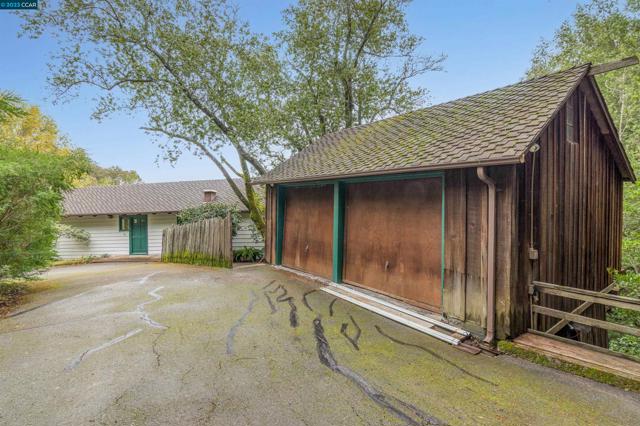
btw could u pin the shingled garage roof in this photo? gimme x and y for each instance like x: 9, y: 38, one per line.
x: 494, y: 127
x: 146, y: 197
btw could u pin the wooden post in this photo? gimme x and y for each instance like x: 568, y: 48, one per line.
x: 280, y: 194
x: 338, y: 230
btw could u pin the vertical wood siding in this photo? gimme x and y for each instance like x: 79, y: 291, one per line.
x: 465, y: 284
x: 577, y: 212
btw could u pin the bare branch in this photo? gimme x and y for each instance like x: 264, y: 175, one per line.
x: 209, y: 154
x: 226, y: 163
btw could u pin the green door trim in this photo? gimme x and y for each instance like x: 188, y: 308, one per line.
x: 338, y: 215
x: 144, y: 234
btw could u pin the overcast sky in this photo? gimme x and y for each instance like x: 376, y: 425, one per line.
x: 488, y: 44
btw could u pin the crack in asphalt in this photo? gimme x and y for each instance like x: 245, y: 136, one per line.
x: 268, y: 285
x: 98, y: 348
x: 234, y: 328
x: 408, y: 413
x: 293, y: 309
x: 331, y: 306
x: 271, y: 304
x: 154, y: 347
x: 144, y: 316
x: 352, y: 340
x: 433, y: 354
x: 304, y: 299
x: 53, y: 302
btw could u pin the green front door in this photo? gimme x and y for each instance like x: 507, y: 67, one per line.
x: 138, y: 234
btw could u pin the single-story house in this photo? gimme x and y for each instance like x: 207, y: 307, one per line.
x: 458, y: 207
x: 129, y: 219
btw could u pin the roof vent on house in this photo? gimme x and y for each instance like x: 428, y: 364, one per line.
x: 209, y: 195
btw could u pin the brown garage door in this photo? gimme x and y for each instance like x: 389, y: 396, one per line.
x: 393, y: 239
x: 308, y: 229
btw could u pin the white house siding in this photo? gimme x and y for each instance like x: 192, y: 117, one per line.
x: 246, y: 235
x: 105, y: 238
x: 156, y: 223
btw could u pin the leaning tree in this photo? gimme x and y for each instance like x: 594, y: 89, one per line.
x: 206, y: 82
x: 201, y: 77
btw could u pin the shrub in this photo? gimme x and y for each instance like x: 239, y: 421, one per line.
x: 248, y: 254
x: 31, y: 188
x: 208, y: 211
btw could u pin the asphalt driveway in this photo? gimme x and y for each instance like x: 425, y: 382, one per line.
x: 158, y: 344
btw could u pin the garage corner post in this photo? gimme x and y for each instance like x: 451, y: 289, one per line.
x: 338, y: 230
x: 279, y: 222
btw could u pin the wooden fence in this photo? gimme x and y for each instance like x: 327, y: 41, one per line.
x: 206, y: 242
x: 588, y: 298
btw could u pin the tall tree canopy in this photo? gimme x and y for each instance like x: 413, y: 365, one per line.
x: 203, y: 79
x: 32, y: 130
x: 206, y: 81
x: 349, y: 63
x: 104, y: 176
x: 603, y: 31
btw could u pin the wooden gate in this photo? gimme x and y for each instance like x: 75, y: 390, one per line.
x: 393, y: 239
x: 308, y: 228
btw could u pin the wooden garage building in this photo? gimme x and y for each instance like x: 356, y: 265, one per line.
x: 457, y: 208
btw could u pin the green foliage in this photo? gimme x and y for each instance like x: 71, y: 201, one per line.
x: 578, y: 370
x: 10, y: 106
x: 196, y: 259
x: 73, y: 232
x: 348, y: 63
x: 31, y: 187
x: 629, y: 284
x: 602, y: 31
x: 104, y: 176
x: 208, y: 211
x: 248, y: 254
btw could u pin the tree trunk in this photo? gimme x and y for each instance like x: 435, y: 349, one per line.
x: 256, y: 208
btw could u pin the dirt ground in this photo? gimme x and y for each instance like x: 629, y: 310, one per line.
x: 157, y: 344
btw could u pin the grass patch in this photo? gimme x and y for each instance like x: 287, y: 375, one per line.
x: 78, y: 261
x: 195, y: 258
x: 568, y: 367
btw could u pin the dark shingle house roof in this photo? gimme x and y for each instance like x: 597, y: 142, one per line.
x: 489, y: 128
x: 147, y: 197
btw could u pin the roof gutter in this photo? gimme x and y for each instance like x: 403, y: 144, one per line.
x: 491, y: 254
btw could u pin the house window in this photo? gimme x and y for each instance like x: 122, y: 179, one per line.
x: 123, y: 223
x: 570, y: 114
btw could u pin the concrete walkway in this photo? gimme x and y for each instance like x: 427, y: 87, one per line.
x: 156, y: 344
